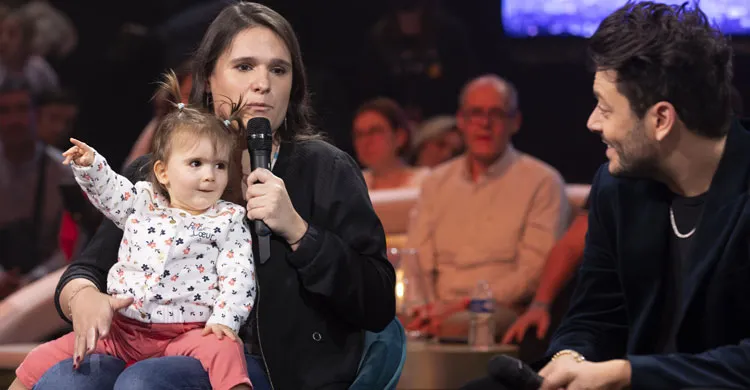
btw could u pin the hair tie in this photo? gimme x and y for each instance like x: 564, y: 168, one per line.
x: 180, y: 106
x: 227, y: 122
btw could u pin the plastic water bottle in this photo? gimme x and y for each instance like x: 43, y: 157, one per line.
x: 482, y: 317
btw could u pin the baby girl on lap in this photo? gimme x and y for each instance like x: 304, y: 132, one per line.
x: 185, y: 260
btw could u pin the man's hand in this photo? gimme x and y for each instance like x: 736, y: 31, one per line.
x: 535, y: 317
x: 428, y: 318
x: 567, y: 373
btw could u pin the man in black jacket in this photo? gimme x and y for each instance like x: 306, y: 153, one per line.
x: 660, y: 301
x: 661, y: 297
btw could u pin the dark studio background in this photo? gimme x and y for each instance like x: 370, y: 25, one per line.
x: 124, y: 46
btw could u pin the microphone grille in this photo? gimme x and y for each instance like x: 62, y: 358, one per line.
x: 259, y: 136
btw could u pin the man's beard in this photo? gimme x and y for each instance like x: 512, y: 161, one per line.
x: 639, y: 157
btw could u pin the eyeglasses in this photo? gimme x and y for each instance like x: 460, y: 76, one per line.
x: 491, y: 115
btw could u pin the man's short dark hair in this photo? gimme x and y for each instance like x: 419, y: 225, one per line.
x: 668, y: 53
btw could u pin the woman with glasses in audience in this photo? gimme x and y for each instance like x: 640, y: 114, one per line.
x: 381, y: 134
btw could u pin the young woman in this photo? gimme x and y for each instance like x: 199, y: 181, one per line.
x: 327, y: 279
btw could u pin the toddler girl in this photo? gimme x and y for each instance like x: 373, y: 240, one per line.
x: 185, y: 257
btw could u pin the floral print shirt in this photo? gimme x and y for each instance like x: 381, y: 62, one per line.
x: 178, y: 267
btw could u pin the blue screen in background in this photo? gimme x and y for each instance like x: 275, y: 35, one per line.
x: 530, y: 18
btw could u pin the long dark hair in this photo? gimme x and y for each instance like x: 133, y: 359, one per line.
x: 232, y: 20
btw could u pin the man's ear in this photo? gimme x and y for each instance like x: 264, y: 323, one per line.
x: 663, y: 117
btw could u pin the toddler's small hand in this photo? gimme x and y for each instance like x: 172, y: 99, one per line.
x: 220, y: 331
x: 81, y: 154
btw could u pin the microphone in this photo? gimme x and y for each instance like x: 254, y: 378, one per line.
x: 514, y: 373
x: 259, y: 144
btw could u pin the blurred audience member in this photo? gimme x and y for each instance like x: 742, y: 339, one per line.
x: 31, y: 203
x: 436, y: 141
x: 552, y: 297
x: 19, y: 67
x: 418, y: 55
x: 381, y: 134
x: 492, y: 214
x: 55, y: 35
x: 57, y: 111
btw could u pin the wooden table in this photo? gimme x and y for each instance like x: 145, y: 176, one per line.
x: 446, y: 366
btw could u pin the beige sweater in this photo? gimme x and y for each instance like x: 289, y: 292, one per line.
x: 497, y: 229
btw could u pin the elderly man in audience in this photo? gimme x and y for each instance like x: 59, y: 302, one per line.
x: 491, y: 214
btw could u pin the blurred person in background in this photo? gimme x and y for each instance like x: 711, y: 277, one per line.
x: 31, y: 203
x: 19, y: 66
x: 4, y: 12
x: 55, y: 35
x: 436, y: 141
x: 552, y: 297
x: 57, y: 111
x: 56, y: 114
x: 492, y: 214
x: 381, y: 134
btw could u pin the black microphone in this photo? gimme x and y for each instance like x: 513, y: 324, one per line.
x: 514, y: 373
x: 259, y: 144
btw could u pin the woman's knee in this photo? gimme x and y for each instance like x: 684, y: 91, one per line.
x: 96, y: 372
x: 164, y: 373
